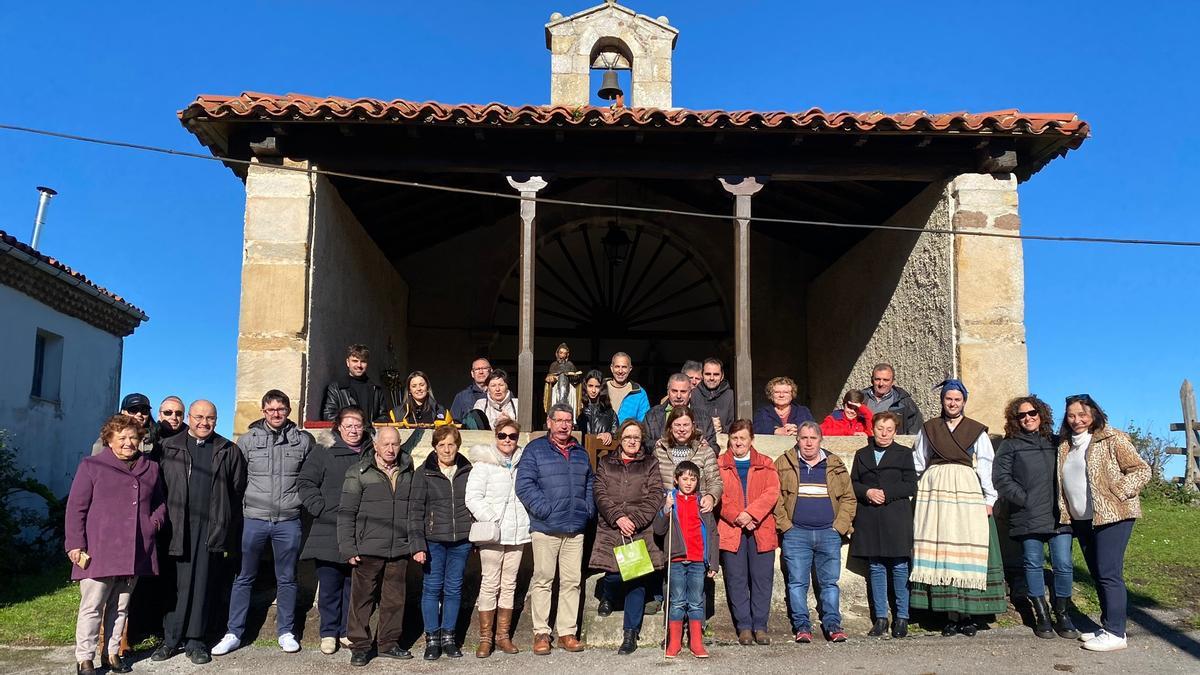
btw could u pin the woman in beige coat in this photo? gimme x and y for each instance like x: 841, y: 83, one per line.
x: 1100, y: 475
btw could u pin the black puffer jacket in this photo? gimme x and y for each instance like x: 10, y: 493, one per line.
x: 440, y: 503
x: 596, y: 418
x: 374, y: 519
x: 228, y: 486
x: 1024, y: 474
x: 320, y: 483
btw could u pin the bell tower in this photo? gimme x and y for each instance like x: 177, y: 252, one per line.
x: 610, y: 36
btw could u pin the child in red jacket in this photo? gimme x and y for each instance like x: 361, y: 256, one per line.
x: 693, y: 552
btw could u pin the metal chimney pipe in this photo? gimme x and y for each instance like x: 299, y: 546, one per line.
x: 44, y: 196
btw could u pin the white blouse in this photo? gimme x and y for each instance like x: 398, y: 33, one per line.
x: 984, y: 455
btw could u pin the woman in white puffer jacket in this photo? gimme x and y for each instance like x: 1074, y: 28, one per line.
x: 492, y: 497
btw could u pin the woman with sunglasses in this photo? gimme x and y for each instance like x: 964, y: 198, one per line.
x: 1025, y: 476
x: 628, y: 493
x: 491, y: 496
x: 1100, y: 476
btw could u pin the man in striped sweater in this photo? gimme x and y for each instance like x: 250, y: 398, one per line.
x: 814, y: 515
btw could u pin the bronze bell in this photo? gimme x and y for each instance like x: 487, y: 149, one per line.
x: 610, y: 89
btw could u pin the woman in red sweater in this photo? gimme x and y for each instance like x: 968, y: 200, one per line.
x: 854, y: 419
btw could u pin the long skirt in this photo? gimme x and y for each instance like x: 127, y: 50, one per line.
x: 949, y: 546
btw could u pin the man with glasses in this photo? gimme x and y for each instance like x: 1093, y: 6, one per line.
x: 205, y: 477
x: 170, y: 417
x: 137, y: 406
x: 554, y: 482
x: 464, y: 401
x: 275, y: 448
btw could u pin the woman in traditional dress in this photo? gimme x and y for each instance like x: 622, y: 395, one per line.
x: 956, y: 563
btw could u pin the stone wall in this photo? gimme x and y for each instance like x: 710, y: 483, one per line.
x: 989, y: 293
x: 358, y: 296
x: 273, y: 320
x: 645, y: 42
x: 888, y: 299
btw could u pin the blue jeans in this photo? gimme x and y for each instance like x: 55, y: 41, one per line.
x: 443, y: 584
x: 880, y: 569
x: 802, y: 551
x: 1104, y: 552
x: 687, y: 591
x: 1033, y: 555
x: 635, y: 597
x: 333, y: 599
x: 284, y: 537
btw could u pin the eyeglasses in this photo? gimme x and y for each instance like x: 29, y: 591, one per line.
x: 635, y: 439
x: 275, y: 411
x: 1081, y: 398
x: 352, y: 427
x: 507, y: 437
x: 1027, y: 413
x: 170, y: 413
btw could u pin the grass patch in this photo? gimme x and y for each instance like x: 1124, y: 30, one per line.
x: 39, y: 609
x: 1160, y: 563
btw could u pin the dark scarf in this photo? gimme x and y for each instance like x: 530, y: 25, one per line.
x: 952, y: 447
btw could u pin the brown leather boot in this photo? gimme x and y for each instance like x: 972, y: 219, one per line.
x: 570, y: 643
x: 504, y: 643
x: 541, y: 644
x: 487, y: 638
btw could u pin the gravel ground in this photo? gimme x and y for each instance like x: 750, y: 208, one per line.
x: 1000, y: 650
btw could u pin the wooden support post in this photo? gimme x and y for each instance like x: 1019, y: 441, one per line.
x: 528, y: 186
x: 743, y: 190
x: 1191, y: 432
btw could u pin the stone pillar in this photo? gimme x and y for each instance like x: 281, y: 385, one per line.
x: 528, y: 187
x: 743, y: 190
x: 273, y: 320
x: 989, y: 295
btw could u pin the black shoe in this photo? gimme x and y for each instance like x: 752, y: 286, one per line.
x: 653, y: 607
x: 950, y: 629
x: 629, y: 644
x: 604, y: 608
x: 1062, y: 620
x: 967, y: 627
x: 450, y: 645
x: 879, y: 629
x: 199, y: 656
x: 900, y: 628
x: 359, y: 657
x: 397, y: 652
x: 1041, y: 619
x: 117, y: 665
x: 433, y: 646
x: 164, y: 652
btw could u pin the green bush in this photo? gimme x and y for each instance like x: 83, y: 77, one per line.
x: 28, y: 536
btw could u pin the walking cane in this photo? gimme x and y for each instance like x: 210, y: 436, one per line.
x: 667, y: 590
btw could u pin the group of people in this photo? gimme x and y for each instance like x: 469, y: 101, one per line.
x: 176, y: 498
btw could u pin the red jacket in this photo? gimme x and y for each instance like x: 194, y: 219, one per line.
x: 836, y: 424
x: 763, y: 486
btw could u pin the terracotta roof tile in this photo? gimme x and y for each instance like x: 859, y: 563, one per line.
x: 15, y: 243
x: 258, y: 106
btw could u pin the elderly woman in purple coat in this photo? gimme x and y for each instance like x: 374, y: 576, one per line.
x: 115, y: 509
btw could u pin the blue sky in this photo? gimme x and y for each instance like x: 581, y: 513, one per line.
x: 1118, y: 322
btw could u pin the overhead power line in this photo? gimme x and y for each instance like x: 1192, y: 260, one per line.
x: 599, y: 205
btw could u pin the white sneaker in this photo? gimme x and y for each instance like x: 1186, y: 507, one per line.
x: 1084, y: 637
x: 329, y: 645
x: 1105, y: 642
x: 287, y: 642
x: 227, y: 644
x: 345, y: 641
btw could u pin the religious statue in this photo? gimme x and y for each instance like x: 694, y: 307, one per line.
x: 562, y: 381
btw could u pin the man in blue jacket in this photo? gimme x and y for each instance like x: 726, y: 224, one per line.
x: 554, y: 483
x: 627, y: 397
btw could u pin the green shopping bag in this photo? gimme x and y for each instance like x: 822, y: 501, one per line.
x: 633, y: 559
